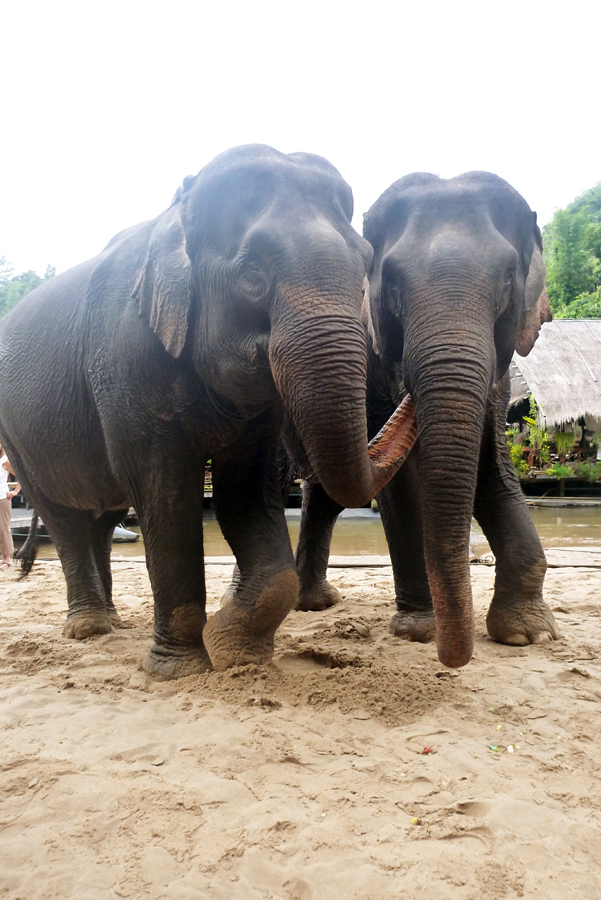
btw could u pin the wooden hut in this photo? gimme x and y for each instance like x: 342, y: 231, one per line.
x: 563, y: 374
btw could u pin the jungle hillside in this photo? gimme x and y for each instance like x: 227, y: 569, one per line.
x: 572, y: 254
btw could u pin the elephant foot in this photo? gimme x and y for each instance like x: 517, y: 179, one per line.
x: 412, y: 627
x: 114, y: 618
x: 520, y: 623
x: 83, y: 625
x: 165, y: 666
x: 238, y: 636
x: 322, y: 596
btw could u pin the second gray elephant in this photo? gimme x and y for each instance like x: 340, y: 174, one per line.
x: 457, y: 285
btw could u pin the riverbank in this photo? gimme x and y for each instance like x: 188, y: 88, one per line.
x: 355, y: 766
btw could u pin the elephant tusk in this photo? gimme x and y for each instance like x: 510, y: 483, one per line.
x: 390, y: 447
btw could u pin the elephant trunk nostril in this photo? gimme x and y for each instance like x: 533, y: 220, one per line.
x: 454, y: 654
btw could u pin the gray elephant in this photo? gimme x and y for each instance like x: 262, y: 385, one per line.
x: 457, y: 284
x: 190, y: 337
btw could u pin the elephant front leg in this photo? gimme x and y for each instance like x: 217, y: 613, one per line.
x: 318, y: 518
x: 171, y: 520
x: 400, y: 508
x: 248, y: 504
x: 518, y: 614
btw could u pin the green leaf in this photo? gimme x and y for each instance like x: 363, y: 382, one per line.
x: 14, y: 287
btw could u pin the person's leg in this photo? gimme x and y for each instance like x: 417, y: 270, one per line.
x: 6, y: 540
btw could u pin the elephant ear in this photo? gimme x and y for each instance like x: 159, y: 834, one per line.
x: 163, y: 287
x: 536, y: 310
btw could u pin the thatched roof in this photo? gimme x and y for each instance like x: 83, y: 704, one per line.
x: 563, y: 373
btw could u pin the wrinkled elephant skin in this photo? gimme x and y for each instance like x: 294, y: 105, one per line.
x: 456, y: 285
x: 188, y: 338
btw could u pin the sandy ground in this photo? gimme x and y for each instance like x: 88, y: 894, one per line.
x: 306, y: 779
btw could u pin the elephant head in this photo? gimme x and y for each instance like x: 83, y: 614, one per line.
x: 457, y: 283
x: 256, y: 276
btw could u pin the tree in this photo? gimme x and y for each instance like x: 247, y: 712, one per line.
x: 591, y: 201
x: 14, y: 287
x: 572, y: 242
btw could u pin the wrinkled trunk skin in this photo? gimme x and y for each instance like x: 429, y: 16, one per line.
x: 449, y: 376
x: 319, y: 365
x: 318, y: 356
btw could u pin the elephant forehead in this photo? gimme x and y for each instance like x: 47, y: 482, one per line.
x: 262, y: 172
x: 455, y: 241
x: 472, y: 201
x: 448, y: 247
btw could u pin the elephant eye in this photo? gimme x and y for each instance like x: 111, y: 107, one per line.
x: 392, y: 292
x: 252, y: 282
x: 252, y: 275
x: 252, y: 271
x: 504, y: 298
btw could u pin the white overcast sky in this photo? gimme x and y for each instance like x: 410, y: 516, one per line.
x: 106, y: 106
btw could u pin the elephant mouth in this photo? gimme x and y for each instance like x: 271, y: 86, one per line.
x: 389, y: 449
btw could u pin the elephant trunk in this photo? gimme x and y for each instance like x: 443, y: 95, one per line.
x: 449, y: 383
x: 321, y: 375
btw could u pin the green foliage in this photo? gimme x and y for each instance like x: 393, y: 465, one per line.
x: 14, y: 287
x: 560, y: 470
x: 564, y: 441
x: 515, y: 446
x: 538, y: 437
x: 572, y: 254
x: 587, y: 306
x: 518, y: 462
x: 590, y: 201
x: 590, y: 470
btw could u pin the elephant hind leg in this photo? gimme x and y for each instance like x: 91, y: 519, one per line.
x: 319, y: 516
x: 73, y: 533
x: 400, y: 507
x: 102, y: 538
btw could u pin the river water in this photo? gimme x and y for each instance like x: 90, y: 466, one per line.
x: 360, y: 533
